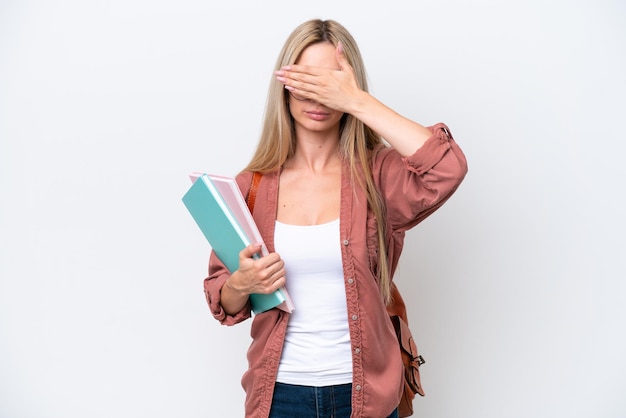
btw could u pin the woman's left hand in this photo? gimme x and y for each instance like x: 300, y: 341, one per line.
x: 336, y: 89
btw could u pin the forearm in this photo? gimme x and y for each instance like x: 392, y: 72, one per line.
x: 232, y: 300
x: 403, y: 134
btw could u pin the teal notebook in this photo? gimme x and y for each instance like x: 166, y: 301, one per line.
x: 225, y: 233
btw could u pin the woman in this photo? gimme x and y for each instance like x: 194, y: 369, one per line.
x: 333, y: 205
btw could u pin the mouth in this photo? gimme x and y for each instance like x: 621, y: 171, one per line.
x: 317, y: 115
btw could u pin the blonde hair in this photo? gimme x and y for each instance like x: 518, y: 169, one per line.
x: 357, y: 141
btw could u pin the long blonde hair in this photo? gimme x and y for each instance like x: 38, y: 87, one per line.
x: 278, y: 140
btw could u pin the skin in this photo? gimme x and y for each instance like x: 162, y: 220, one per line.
x: 309, y: 192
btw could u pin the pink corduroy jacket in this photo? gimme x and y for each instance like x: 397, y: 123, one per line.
x: 413, y: 188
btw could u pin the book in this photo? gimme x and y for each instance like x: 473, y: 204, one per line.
x: 229, y: 190
x: 220, y: 211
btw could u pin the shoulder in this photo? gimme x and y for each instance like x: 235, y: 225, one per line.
x: 244, y: 179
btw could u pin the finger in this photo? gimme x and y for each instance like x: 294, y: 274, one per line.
x: 275, y: 285
x: 297, y: 79
x: 265, y: 281
x: 340, y: 52
x: 275, y: 269
x: 341, y: 58
x: 300, y: 71
x: 250, y: 251
x: 280, y: 282
x: 265, y: 267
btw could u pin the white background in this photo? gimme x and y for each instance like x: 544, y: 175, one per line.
x: 516, y: 286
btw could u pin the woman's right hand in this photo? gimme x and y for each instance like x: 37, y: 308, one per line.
x: 262, y: 275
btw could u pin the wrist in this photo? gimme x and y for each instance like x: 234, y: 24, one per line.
x: 361, y: 104
x: 232, y: 287
x: 232, y: 299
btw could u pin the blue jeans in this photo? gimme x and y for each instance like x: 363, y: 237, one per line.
x: 292, y: 401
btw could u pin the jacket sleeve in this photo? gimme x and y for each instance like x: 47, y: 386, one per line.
x: 218, y: 274
x: 414, y: 187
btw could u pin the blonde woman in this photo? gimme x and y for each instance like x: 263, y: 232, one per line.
x: 333, y: 206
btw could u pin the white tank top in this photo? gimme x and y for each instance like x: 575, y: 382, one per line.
x: 317, y: 344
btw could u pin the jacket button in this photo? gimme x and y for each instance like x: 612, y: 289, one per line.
x: 354, y: 317
x: 346, y: 242
x: 358, y: 387
x: 350, y: 280
x: 357, y: 350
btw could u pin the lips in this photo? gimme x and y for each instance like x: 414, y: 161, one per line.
x: 317, y: 115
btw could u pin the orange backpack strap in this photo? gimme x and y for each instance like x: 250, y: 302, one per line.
x: 254, y: 186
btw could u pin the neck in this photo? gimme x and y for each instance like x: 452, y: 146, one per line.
x: 316, y: 152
